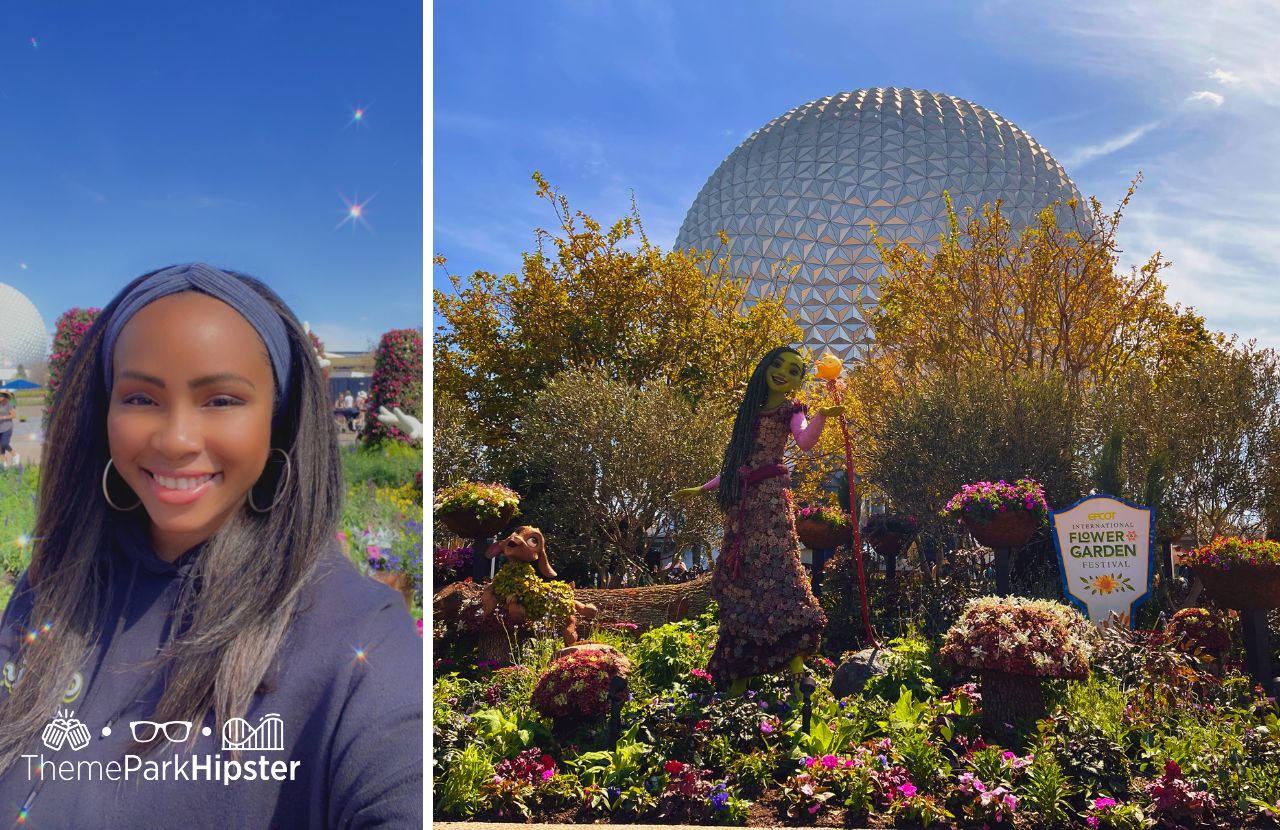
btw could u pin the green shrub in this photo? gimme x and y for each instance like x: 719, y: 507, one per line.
x: 18, y: 491
x: 910, y: 663
x: 460, y: 790
x: 670, y: 652
x: 390, y: 464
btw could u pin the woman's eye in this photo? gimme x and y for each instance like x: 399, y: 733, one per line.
x: 225, y: 400
x: 138, y: 399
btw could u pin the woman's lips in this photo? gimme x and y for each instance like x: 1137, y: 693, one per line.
x: 172, y: 495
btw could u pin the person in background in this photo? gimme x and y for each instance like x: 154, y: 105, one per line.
x: 8, y: 416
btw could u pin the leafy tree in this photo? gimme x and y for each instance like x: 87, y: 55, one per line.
x: 1047, y: 299
x: 975, y: 426
x: 604, y: 457
x: 456, y: 452
x: 608, y: 299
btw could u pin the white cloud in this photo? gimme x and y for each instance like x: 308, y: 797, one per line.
x: 1222, y: 76
x: 1208, y: 97
x: 1082, y: 155
x: 344, y: 337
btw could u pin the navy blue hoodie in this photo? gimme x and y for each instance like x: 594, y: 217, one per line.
x: 332, y: 738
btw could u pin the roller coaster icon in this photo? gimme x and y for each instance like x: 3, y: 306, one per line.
x: 237, y: 733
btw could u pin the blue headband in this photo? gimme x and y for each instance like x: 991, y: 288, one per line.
x: 219, y: 285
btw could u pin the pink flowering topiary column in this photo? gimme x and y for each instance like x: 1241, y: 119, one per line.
x: 397, y: 382
x: 71, y: 328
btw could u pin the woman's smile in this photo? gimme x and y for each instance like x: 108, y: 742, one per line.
x: 185, y: 488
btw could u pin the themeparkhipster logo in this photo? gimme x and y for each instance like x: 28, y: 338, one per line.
x: 66, y: 732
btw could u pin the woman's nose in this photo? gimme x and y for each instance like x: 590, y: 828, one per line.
x: 180, y: 434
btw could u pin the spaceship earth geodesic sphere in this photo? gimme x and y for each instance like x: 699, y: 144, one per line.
x: 808, y: 187
x: 23, y: 339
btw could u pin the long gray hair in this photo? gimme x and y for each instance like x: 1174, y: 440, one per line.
x: 242, y: 590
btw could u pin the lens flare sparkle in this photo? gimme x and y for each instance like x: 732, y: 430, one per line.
x: 355, y: 212
x: 357, y: 115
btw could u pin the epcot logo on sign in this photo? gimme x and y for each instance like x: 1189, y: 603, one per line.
x: 1104, y: 555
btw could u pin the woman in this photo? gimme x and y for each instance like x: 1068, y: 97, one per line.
x: 769, y: 617
x: 188, y: 645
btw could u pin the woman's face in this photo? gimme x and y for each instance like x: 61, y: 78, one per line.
x: 189, y: 420
x: 786, y: 373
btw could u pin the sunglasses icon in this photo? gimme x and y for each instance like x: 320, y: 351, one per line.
x: 145, y: 731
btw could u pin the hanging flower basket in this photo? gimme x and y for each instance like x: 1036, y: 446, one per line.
x: 1239, y: 573
x: 822, y: 528
x: 1008, y: 530
x: 474, y: 510
x: 468, y: 525
x: 999, y: 514
x: 889, y: 535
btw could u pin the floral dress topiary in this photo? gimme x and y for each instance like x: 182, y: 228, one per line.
x: 768, y: 613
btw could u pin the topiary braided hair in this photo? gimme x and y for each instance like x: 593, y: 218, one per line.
x: 744, y: 429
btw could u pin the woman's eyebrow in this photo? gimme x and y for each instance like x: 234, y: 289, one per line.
x: 204, y: 380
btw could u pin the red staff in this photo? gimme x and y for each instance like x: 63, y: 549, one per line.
x: 829, y: 368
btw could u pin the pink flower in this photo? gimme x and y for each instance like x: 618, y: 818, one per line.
x: 908, y: 789
x: 548, y: 774
x: 766, y: 727
x: 814, y: 809
x: 1103, y: 803
x: 830, y: 761
x: 1092, y: 821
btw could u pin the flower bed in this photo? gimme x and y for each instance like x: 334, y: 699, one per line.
x: 1138, y: 742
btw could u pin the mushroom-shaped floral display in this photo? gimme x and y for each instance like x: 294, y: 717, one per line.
x: 1014, y: 643
x: 823, y: 527
x: 475, y: 510
x: 1238, y: 573
x: 576, y: 686
x: 889, y: 534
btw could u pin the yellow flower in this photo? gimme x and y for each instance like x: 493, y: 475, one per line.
x: 1106, y: 583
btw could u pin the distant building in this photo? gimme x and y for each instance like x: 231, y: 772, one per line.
x: 349, y: 372
x: 808, y: 187
x: 24, y: 340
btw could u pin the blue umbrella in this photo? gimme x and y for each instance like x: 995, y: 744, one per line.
x: 19, y: 384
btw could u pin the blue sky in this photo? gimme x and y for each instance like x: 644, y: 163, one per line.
x: 138, y: 134
x: 612, y: 97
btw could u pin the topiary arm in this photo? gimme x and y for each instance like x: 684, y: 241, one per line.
x: 807, y: 432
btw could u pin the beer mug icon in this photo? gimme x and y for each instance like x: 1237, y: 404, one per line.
x: 65, y: 729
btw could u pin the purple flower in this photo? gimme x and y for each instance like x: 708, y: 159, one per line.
x: 766, y: 727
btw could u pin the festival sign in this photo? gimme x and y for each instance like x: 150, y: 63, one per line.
x: 1104, y: 555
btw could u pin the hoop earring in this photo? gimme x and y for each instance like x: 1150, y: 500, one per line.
x: 280, y: 485
x: 107, y: 495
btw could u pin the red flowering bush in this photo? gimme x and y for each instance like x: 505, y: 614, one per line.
x: 71, y: 328
x: 1021, y: 636
x: 1224, y: 552
x: 397, y: 382
x: 1200, y: 629
x: 576, y: 685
